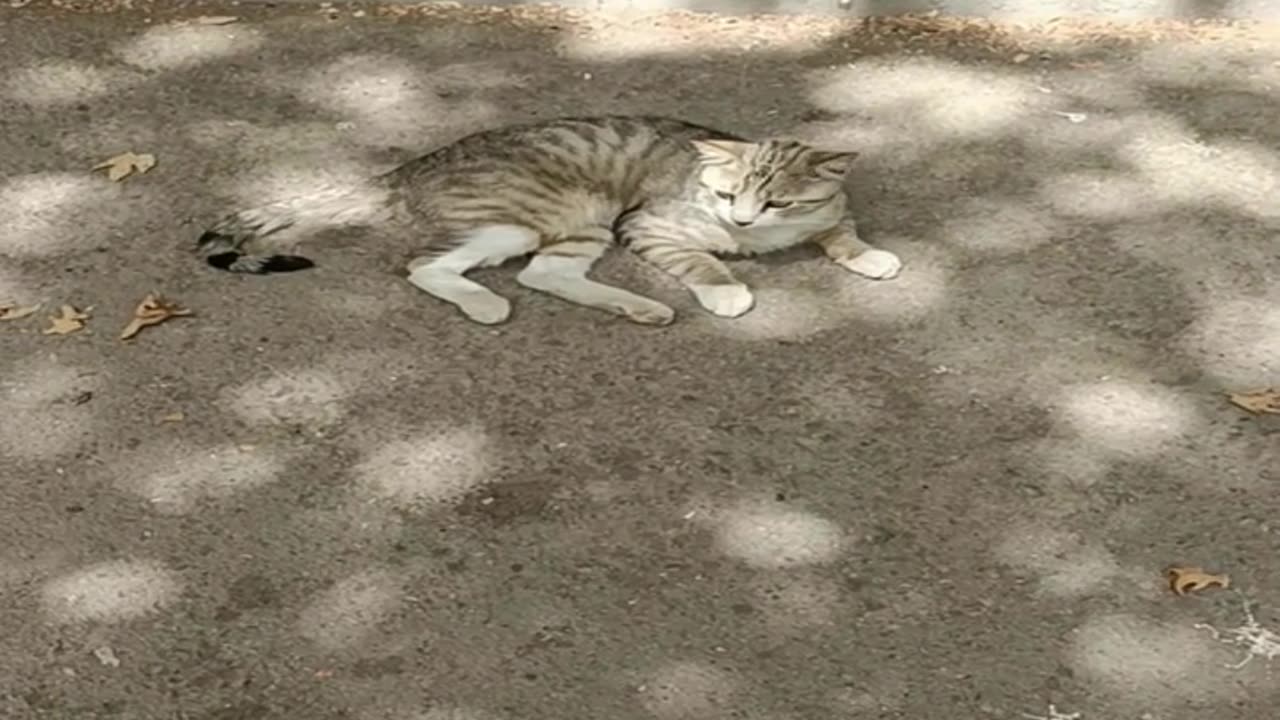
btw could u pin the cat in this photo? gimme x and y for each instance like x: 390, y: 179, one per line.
x: 678, y: 194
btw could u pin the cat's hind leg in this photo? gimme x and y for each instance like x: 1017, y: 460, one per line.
x: 560, y: 268
x: 442, y: 275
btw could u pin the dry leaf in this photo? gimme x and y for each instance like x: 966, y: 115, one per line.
x: 1183, y: 580
x: 1258, y: 401
x: 125, y: 164
x: 151, y: 311
x: 174, y: 417
x: 1021, y: 58
x: 215, y: 19
x: 67, y: 321
x: 15, y: 312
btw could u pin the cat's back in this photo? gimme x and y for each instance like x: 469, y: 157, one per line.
x: 600, y: 142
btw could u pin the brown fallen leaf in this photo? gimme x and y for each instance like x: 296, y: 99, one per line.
x: 125, y: 164
x: 67, y: 321
x: 153, y: 310
x: 1183, y: 580
x: 1258, y: 401
x: 17, y: 312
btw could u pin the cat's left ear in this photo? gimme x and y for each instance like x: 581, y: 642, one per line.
x: 832, y: 165
x: 721, y: 152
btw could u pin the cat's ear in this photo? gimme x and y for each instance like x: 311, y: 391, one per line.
x: 721, y: 152
x: 830, y: 165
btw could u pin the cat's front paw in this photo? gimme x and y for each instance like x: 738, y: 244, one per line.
x: 875, y: 264
x: 724, y: 300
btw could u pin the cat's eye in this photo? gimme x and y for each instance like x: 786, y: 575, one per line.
x: 724, y: 195
x: 778, y: 204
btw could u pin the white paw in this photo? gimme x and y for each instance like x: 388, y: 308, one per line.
x: 875, y: 264
x: 486, y: 309
x: 650, y: 313
x: 724, y: 300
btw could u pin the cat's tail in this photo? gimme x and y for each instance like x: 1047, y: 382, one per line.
x: 223, y: 245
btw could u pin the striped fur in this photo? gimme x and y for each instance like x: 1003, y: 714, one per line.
x: 680, y: 195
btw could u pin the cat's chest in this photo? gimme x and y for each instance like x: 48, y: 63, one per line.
x: 760, y: 240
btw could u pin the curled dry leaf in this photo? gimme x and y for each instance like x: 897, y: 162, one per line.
x: 17, y: 312
x: 1183, y: 580
x: 125, y: 164
x: 1258, y: 401
x: 153, y: 310
x: 67, y: 321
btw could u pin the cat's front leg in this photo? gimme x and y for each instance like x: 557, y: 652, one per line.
x: 710, y: 281
x: 685, y: 251
x: 842, y: 244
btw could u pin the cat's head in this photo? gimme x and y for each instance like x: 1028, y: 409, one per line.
x: 775, y: 182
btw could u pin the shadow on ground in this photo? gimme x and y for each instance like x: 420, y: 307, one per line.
x: 952, y: 495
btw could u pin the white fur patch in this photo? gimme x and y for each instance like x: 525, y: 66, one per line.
x: 875, y: 264
x: 484, y: 247
x: 724, y: 300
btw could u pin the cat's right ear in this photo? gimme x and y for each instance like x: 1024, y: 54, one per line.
x: 720, y: 152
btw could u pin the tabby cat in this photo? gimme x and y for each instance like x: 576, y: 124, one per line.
x: 679, y: 195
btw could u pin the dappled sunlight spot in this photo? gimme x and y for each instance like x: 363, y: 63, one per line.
x: 351, y: 609
x: 875, y: 143
x: 110, y: 591
x: 939, y: 100
x: 626, y: 40
x: 432, y: 468
x: 44, y: 214
x: 797, y: 602
x: 282, y: 159
x: 173, y: 47
x: 779, y: 314
x: 1241, y: 176
x: 1099, y: 195
x: 687, y: 691
x: 62, y: 82
x: 295, y: 179
x: 37, y: 402
x: 771, y: 537
x: 1073, y: 463
x: 1238, y: 341
x: 1102, y: 132
x: 1126, y: 417
x: 999, y: 226
x: 1149, y: 662
x: 1224, y: 66
x: 177, y: 483
x: 1068, y: 564
x: 308, y: 397
x: 919, y: 289
x: 842, y: 298
x: 388, y: 100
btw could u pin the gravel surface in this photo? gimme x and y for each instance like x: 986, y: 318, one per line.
x: 953, y: 495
